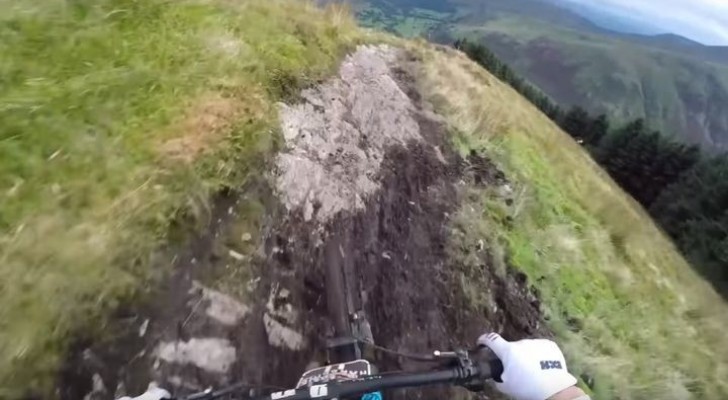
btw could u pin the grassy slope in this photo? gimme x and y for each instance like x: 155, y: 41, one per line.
x: 117, y: 117
x: 627, y: 309
x: 610, y: 75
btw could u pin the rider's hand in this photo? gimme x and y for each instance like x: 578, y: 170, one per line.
x: 153, y: 393
x: 533, y: 369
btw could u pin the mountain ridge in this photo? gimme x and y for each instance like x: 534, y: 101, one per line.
x: 679, y: 86
x: 608, y: 18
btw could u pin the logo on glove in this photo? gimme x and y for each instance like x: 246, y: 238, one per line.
x: 551, y: 365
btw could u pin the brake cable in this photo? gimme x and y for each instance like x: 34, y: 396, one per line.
x: 415, y: 357
x: 437, y: 355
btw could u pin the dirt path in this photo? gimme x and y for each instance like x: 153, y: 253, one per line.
x: 368, y: 181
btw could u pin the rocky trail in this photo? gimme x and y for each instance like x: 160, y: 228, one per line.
x: 367, y: 180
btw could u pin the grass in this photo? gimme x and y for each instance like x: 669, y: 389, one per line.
x: 629, y: 312
x: 117, y: 117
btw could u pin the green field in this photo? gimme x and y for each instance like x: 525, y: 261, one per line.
x: 116, y: 118
x: 416, y: 22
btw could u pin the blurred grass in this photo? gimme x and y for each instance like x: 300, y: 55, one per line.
x: 117, y: 117
x: 627, y: 309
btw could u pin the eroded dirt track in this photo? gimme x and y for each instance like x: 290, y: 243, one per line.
x: 367, y: 181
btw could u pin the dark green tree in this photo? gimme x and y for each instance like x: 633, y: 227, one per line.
x: 576, y: 122
x: 644, y: 163
x: 694, y: 212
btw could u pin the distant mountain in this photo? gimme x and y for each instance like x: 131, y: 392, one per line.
x: 609, y: 18
x: 678, y: 85
x: 679, y: 94
x: 683, y: 46
x: 635, y: 29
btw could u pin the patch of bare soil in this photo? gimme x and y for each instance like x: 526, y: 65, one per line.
x: 368, y: 182
x: 205, y: 123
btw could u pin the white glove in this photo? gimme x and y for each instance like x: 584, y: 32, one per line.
x: 153, y: 393
x: 533, y: 369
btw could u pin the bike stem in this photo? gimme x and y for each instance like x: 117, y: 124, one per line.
x: 350, y: 347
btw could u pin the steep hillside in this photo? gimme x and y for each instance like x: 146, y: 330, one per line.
x: 594, y: 255
x: 677, y: 94
x: 177, y: 177
x: 679, y: 86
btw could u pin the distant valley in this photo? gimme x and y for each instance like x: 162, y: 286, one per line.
x: 678, y: 86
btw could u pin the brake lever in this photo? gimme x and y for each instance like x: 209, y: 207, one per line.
x: 489, y: 365
x: 486, y: 356
x: 480, y: 359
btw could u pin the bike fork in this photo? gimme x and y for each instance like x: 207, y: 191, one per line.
x: 345, y: 305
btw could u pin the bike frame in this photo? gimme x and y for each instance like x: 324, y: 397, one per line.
x: 373, y: 383
x: 465, y: 374
x: 345, y: 305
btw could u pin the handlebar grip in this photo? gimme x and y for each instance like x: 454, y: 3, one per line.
x: 495, y: 372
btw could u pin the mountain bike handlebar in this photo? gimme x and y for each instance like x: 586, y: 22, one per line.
x: 469, y: 374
